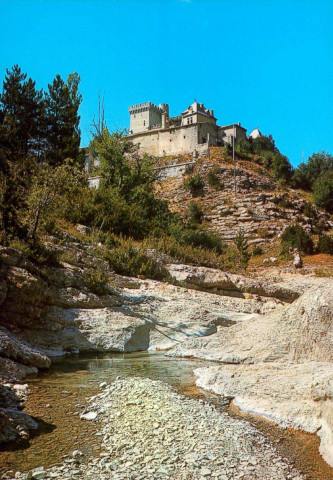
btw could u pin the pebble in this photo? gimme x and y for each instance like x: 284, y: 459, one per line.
x: 149, y: 432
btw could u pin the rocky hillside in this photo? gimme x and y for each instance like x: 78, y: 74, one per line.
x: 260, y: 208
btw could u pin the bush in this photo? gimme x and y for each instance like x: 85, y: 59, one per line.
x: 37, y: 252
x: 194, y: 213
x: 323, y: 191
x: 309, y: 211
x: 306, y: 174
x: 257, y: 251
x: 203, y: 238
x: 128, y: 259
x: 189, y: 169
x: 325, y: 244
x: 96, y: 281
x: 195, y: 185
x: 227, y: 149
x: 242, y: 250
x: 213, y: 180
x: 295, y: 237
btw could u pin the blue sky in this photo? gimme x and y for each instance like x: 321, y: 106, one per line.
x: 264, y: 63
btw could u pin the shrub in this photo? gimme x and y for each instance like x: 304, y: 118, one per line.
x: 242, y: 250
x: 189, y: 169
x: 203, y: 238
x: 96, y: 281
x: 295, y: 237
x: 308, y: 210
x: 227, y: 149
x: 325, y: 244
x: 195, y: 185
x: 213, y: 180
x: 128, y: 259
x: 323, y: 191
x: 37, y: 252
x: 257, y: 251
x: 306, y: 174
x: 194, y: 213
x: 283, y: 202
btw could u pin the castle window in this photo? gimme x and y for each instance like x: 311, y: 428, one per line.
x: 144, y: 123
x: 184, y: 136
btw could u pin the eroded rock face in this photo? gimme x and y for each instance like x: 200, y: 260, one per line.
x: 289, y: 394
x: 278, y: 365
x: 222, y: 283
x: 13, y: 348
x: 302, y: 331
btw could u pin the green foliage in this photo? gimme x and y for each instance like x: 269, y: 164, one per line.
x: 323, y: 191
x: 309, y: 211
x: 189, y: 169
x: 243, y: 148
x: 36, y: 252
x: 295, y: 237
x: 213, y: 180
x: 263, y: 144
x: 283, y: 201
x: 194, y: 213
x: 22, y: 115
x: 325, y: 244
x: 242, y: 250
x: 306, y: 174
x: 195, y: 185
x: 50, y: 186
x: 203, y: 238
x: 128, y: 259
x: 227, y: 149
x: 62, y: 102
x: 96, y: 280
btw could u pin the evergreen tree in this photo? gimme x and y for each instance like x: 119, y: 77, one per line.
x: 62, y: 104
x: 242, y: 250
x: 22, y: 113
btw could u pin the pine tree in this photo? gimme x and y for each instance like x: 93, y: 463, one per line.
x: 62, y: 104
x: 21, y: 118
x: 22, y: 111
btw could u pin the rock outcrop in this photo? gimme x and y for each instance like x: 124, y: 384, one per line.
x: 278, y: 365
x: 228, y: 284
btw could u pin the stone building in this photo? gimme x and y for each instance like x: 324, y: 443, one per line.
x: 194, y: 130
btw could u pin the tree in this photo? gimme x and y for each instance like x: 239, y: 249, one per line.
x: 263, y: 144
x: 295, y: 237
x: 48, y: 189
x: 242, y: 250
x: 62, y: 104
x: 323, y: 191
x: 306, y: 174
x: 22, y: 113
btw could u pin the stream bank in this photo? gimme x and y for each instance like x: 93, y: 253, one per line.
x: 58, y: 398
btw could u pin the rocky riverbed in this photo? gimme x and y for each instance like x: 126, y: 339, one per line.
x: 148, y: 431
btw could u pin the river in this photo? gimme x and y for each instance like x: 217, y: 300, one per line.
x: 54, y: 395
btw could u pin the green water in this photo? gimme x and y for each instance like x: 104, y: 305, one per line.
x: 56, y: 393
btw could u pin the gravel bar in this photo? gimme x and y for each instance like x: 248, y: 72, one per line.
x: 148, y: 431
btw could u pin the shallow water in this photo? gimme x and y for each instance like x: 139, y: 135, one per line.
x: 56, y: 393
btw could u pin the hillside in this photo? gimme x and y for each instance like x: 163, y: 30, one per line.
x: 260, y: 208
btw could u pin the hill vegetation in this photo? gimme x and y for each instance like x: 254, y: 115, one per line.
x: 44, y: 188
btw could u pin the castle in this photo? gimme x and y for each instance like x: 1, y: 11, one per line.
x: 193, y: 131
x: 156, y: 133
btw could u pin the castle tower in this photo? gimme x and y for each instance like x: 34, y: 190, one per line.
x: 146, y: 116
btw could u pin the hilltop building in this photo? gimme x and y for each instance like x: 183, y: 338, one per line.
x: 193, y: 131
